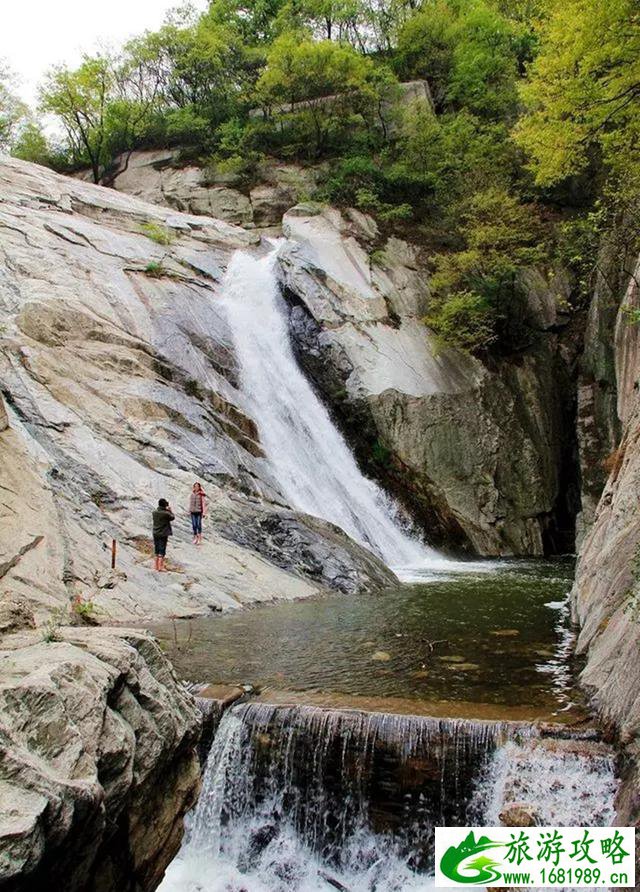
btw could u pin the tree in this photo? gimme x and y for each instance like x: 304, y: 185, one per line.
x: 31, y: 144
x: 79, y: 100
x: 467, y: 52
x: 323, y: 88
x: 12, y: 110
x: 452, y: 151
x: 583, y: 92
x: 478, y: 299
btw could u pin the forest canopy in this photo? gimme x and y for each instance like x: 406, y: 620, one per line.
x: 526, y: 151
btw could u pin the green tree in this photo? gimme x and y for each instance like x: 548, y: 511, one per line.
x: 478, y: 299
x: 583, y: 92
x: 452, y: 150
x: 31, y: 144
x: 12, y: 110
x: 79, y: 100
x: 468, y: 52
x: 322, y: 88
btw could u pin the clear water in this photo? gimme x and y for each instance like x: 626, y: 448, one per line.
x: 500, y: 638
x: 308, y: 458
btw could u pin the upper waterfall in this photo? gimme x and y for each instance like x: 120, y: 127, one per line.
x: 312, y: 464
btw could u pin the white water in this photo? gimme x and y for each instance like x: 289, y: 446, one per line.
x: 284, y: 808
x: 310, y: 460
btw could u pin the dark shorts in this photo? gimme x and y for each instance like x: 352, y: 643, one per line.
x: 160, y: 545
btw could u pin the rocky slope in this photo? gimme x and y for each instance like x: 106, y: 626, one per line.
x: 98, y: 760
x: 119, y: 387
x: 479, y: 466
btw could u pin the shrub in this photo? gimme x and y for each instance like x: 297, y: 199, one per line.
x: 154, y: 269
x: 162, y: 235
x: 464, y: 320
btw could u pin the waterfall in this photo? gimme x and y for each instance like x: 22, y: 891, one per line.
x: 302, y: 799
x: 310, y: 461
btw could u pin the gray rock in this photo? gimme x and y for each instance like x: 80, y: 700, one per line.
x: 121, y: 388
x: 607, y: 586
x: 98, y: 762
x: 476, y: 453
x: 313, y: 548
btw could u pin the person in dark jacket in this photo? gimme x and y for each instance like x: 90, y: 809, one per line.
x: 162, y: 517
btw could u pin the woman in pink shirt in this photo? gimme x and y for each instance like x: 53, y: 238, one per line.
x: 197, y: 509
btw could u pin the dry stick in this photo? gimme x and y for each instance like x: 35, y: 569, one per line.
x: 113, y: 554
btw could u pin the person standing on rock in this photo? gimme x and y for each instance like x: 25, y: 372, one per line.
x: 197, y: 510
x: 162, y: 518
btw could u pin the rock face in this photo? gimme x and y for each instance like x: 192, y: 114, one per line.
x: 119, y: 386
x: 480, y: 455
x: 157, y: 177
x: 597, y: 423
x: 98, y: 761
x: 607, y: 586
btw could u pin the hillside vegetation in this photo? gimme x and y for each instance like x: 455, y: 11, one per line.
x: 528, y: 155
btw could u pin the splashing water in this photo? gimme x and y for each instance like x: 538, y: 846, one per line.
x: 300, y: 799
x: 286, y: 800
x: 310, y: 460
x: 570, y: 784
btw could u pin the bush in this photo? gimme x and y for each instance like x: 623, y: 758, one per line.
x: 464, y: 320
x: 157, y: 233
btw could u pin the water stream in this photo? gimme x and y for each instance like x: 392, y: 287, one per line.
x: 309, y: 459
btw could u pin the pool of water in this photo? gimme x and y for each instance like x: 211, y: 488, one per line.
x: 497, y: 638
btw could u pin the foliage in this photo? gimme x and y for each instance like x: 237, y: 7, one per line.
x: 154, y: 269
x: 584, y: 90
x: 83, y: 608
x: 534, y: 116
x: 478, y: 300
x: 12, y: 110
x: 31, y: 144
x: 156, y: 232
x: 468, y: 52
x: 464, y: 320
x: 320, y: 93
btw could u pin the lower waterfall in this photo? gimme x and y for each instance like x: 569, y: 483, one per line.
x: 302, y: 799
x: 311, y: 463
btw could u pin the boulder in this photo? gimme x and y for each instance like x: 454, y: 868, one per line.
x: 98, y: 763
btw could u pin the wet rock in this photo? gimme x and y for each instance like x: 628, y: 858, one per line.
x: 313, y: 548
x: 519, y: 814
x: 381, y: 656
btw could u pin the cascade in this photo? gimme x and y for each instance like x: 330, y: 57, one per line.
x: 310, y: 461
x: 302, y: 799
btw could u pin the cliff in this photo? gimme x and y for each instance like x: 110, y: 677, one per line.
x: 607, y: 586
